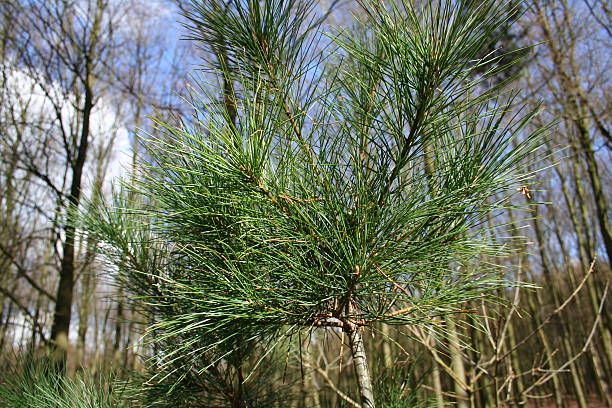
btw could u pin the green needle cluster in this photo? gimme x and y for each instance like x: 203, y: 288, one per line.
x: 344, y: 178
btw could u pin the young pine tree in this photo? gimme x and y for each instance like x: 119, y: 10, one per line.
x: 328, y: 180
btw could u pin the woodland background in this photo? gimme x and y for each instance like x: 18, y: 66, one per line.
x: 79, y: 77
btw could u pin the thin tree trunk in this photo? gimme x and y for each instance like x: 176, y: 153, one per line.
x: 602, y: 384
x: 366, y: 391
x: 576, y: 381
x: 437, y: 381
x: 88, y: 285
x: 556, y: 382
x: 457, y: 363
x: 547, y: 273
x: 6, y: 324
x: 119, y: 318
x: 62, y: 314
x: 387, y: 357
x: 63, y: 305
x: 515, y: 361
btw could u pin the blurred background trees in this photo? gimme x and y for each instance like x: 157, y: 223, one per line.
x: 79, y: 76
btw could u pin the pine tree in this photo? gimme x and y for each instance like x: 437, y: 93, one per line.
x: 325, y: 180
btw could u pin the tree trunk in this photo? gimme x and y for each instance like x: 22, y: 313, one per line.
x: 62, y: 314
x: 119, y: 318
x: 457, y: 363
x: 387, y: 355
x: 63, y: 305
x: 548, y: 350
x: 436, y: 377
x: 360, y: 363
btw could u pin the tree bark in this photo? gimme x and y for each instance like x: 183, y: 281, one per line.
x: 457, y: 363
x: 62, y: 314
x: 360, y: 363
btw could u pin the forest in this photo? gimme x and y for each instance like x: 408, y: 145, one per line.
x: 305, y: 203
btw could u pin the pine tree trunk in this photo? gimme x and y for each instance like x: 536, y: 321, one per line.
x: 360, y: 363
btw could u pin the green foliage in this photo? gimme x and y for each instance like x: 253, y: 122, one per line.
x: 264, y: 35
x: 212, y: 388
x: 352, y: 188
x: 38, y: 385
x: 398, y: 388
